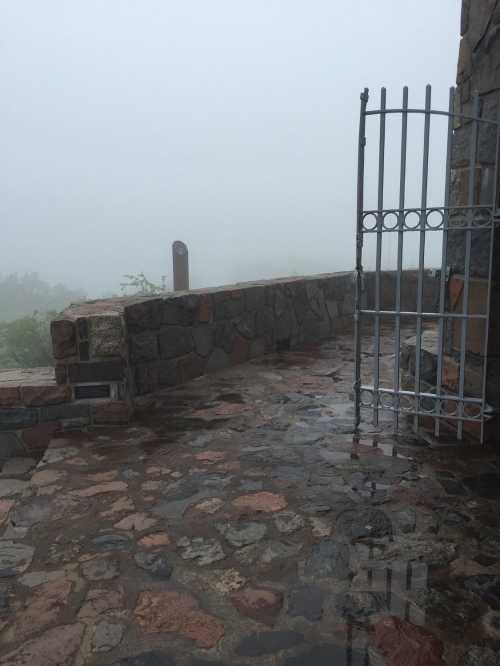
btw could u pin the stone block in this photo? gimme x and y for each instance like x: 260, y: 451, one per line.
x: 218, y: 361
x: 167, y: 373
x: 106, y: 336
x: 144, y: 346
x: 175, y: 341
x: 61, y: 373
x: 240, y: 351
x: 283, y: 327
x: 82, y: 328
x: 229, y: 304
x: 189, y: 367
x: 11, y: 445
x: 38, y: 437
x: 280, y: 303
x: 96, y: 371
x: 464, y: 66
x: 15, y: 418
x: 473, y: 377
x: 63, y: 334
x: 181, y: 310
x: 264, y: 323
x: 316, y: 299
x: 205, y: 309
x: 83, y: 351
x: 224, y: 335
x: 258, y: 348
x: 75, y: 424
x: 333, y: 309
x: 67, y: 410
x: 245, y: 325
x: 38, y: 396
x: 464, y: 17
x: 147, y: 377
x: 300, y: 302
x: 255, y: 298
x: 111, y: 412
x: 146, y: 314
x: 10, y: 396
x: 204, y: 339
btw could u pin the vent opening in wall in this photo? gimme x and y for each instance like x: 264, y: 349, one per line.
x: 89, y: 391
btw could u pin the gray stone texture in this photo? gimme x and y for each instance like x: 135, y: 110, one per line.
x: 148, y: 343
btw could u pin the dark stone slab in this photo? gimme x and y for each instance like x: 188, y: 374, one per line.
x: 150, y: 658
x: 487, y: 587
x: 83, y: 351
x: 204, y: 339
x: 144, y: 315
x: 175, y: 341
x: 38, y: 510
x: 155, y: 564
x: 144, y: 346
x: 485, y: 485
x: 363, y: 522
x: 453, y: 487
x: 326, y: 655
x: 96, y: 371
x: 68, y: 410
x: 82, y: 328
x: 329, y: 558
x: 112, y: 542
x: 268, y: 642
x: 11, y: 446
x: 190, y: 366
x: 306, y: 601
x: 63, y: 333
x: 17, y: 417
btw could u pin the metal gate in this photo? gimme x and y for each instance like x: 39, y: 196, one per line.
x: 456, y: 407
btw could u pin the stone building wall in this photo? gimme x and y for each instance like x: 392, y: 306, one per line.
x: 478, y: 70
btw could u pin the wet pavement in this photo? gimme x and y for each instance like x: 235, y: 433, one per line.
x: 239, y: 522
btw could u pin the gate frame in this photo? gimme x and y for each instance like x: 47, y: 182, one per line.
x: 390, y: 399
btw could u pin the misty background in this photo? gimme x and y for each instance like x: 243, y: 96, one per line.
x: 230, y: 125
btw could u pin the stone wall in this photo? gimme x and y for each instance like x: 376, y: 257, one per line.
x: 478, y: 70
x: 120, y: 348
x: 136, y: 345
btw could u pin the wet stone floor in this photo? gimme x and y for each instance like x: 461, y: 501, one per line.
x: 238, y: 522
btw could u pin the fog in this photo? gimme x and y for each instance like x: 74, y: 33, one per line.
x: 229, y: 124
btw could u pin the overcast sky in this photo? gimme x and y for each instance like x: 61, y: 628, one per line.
x: 229, y: 124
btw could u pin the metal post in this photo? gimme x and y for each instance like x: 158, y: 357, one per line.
x: 359, y: 259
x: 399, y: 268
x: 421, y: 259
x: 444, y: 260
x: 378, y: 258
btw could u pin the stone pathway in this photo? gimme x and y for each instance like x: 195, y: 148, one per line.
x: 237, y: 523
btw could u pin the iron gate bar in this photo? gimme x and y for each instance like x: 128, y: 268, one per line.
x: 399, y: 268
x: 471, y: 218
x: 426, y: 315
x: 433, y: 112
x: 444, y: 258
x: 359, y: 257
x: 421, y: 254
x: 378, y: 260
